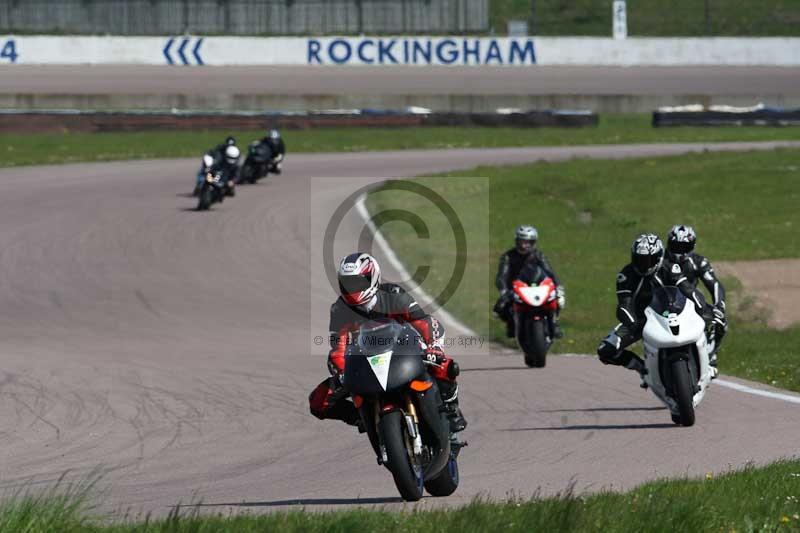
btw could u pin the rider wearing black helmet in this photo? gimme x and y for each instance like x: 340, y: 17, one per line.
x: 684, y: 264
x: 511, y: 264
x: 277, y: 148
x: 635, y: 285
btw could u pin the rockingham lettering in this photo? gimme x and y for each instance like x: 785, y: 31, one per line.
x: 420, y: 51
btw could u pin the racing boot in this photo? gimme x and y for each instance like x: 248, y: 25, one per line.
x: 510, y: 329
x: 556, y: 330
x: 449, y: 392
x: 637, y: 364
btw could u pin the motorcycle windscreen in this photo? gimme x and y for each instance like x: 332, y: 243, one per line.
x: 388, y: 349
x: 668, y: 300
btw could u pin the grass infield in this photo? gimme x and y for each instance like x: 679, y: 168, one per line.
x: 743, y: 206
x: 755, y: 499
x: 49, y: 149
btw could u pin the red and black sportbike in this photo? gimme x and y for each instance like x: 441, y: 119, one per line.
x: 401, y: 409
x: 534, y: 310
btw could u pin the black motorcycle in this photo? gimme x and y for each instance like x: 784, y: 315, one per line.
x: 212, y: 189
x: 401, y: 410
x: 257, y: 164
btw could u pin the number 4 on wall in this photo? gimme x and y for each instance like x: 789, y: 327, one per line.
x: 9, y: 51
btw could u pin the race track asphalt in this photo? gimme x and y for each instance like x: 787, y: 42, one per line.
x: 343, y: 80
x: 172, y: 349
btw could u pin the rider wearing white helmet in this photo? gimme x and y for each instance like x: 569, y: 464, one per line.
x: 364, y: 298
x: 511, y: 264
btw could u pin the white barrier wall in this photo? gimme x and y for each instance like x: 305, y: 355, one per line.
x: 368, y: 51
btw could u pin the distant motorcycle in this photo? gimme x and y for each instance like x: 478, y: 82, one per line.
x: 206, y: 168
x: 212, y: 189
x: 534, y: 308
x: 257, y: 164
x: 401, y: 410
x: 677, y: 349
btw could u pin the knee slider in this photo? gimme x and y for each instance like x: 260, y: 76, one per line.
x: 453, y: 370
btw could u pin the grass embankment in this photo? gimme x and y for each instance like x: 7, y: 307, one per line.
x: 652, y: 18
x: 41, y: 149
x: 756, y: 499
x: 743, y: 205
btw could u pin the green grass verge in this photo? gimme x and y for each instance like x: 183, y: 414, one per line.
x: 755, y: 499
x: 677, y: 18
x: 38, y: 149
x: 743, y: 205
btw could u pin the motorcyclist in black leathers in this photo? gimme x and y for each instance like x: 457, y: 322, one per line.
x: 223, y: 158
x: 277, y: 149
x: 364, y: 298
x: 511, y: 264
x: 635, y: 284
x: 683, y: 263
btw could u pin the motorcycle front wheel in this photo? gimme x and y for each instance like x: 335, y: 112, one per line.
x: 683, y: 391
x: 532, y: 339
x: 205, y: 199
x: 407, y: 477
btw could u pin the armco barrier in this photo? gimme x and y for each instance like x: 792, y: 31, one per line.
x: 756, y: 117
x: 78, y: 121
x: 397, y: 50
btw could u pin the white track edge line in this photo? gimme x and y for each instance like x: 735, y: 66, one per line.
x: 757, y: 392
x: 450, y: 319
x: 398, y: 266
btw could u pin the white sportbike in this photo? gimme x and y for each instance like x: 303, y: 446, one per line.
x: 677, y: 353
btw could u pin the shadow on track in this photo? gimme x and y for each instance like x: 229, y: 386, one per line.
x: 303, y: 501
x: 595, y: 426
x: 493, y: 369
x: 602, y: 409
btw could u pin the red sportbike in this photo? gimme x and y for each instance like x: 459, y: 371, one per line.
x: 534, y: 309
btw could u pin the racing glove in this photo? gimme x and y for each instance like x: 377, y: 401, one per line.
x: 719, y: 318
x: 562, y: 297
x: 434, y: 356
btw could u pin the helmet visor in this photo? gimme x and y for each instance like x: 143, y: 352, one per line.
x: 354, y: 284
x: 525, y: 245
x: 681, y: 247
x: 645, y: 264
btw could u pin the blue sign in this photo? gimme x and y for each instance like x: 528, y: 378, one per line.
x: 182, y: 51
x: 9, y: 51
x: 420, y: 51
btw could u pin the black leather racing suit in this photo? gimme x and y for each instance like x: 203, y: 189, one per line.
x: 511, y: 264
x: 634, y: 293
x: 695, y: 267
x: 277, y: 148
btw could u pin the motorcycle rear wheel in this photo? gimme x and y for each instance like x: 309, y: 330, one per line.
x: 446, y: 482
x: 683, y: 393
x: 407, y: 478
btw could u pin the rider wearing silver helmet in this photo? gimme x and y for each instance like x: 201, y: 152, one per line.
x: 277, y: 148
x: 511, y: 264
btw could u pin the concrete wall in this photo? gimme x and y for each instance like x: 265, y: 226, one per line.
x: 193, y: 50
x: 243, y: 17
x: 600, y: 103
